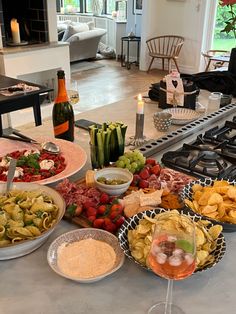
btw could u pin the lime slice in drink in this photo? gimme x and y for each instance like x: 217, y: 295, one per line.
x: 186, y: 246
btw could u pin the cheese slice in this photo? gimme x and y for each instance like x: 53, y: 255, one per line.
x: 89, y: 178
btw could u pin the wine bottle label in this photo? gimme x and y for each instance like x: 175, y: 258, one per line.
x: 61, y: 128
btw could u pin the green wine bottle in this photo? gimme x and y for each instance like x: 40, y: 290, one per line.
x: 62, y: 113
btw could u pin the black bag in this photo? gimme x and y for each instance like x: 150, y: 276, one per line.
x: 154, y: 92
x: 215, y: 81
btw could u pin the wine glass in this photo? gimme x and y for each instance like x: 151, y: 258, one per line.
x: 72, y: 87
x: 172, y: 255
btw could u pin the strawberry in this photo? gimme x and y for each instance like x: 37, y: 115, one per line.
x: 101, y: 209
x: 114, y: 214
x: 151, y: 162
x: 88, y: 204
x: 136, y: 179
x: 117, y: 208
x: 111, y: 227
x: 104, y: 198
x: 91, y: 211
x: 98, y: 223
x: 78, y: 210
x: 120, y: 221
x: 113, y: 200
x: 143, y: 184
x: 156, y: 170
x: 144, y: 174
x: 91, y: 218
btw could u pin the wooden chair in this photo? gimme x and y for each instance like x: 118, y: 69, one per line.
x: 165, y: 47
x: 211, y: 53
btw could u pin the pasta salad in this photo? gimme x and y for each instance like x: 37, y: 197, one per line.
x: 25, y: 215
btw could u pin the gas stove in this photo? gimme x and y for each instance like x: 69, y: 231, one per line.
x: 203, y: 148
x: 212, y: 154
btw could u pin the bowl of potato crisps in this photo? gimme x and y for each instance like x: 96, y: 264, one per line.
x: 215, y: 200
x: 135, y: 237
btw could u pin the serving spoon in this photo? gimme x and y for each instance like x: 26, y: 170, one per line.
x: 49, y: 147
x: 10, y: 174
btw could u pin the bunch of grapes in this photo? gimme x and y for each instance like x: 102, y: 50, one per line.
x: 134, y: 161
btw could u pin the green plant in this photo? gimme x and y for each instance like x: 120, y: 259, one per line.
x: 229, y: 16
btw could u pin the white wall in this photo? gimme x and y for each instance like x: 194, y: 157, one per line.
x: 186, y: 18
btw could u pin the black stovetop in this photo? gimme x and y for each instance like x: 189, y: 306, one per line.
x: 212, y: 154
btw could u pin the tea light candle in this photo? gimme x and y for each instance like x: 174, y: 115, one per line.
x: 140, y: 106
x: 15, y: 31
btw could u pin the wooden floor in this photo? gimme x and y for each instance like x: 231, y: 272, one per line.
x: 99, y: 87
x: 111, y: 83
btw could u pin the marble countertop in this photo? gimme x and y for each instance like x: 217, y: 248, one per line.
x: 28, y: 285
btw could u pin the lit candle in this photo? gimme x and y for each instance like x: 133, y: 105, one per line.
x: 140, y: 106
x: 15, y: 31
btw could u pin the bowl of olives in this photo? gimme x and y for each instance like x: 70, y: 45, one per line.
x: 112, y: 180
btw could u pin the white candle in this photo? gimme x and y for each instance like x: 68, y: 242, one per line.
x: 140, y: 106
x: 15, y: 31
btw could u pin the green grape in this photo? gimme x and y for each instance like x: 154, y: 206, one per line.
x: 132, y: 160
x: 120, y: 164
x: 122, y: 158
x: 134, y: 165
x: 128, y: 167
x: 132, y: 170
x: 128, y: 154
x: 127, y: 161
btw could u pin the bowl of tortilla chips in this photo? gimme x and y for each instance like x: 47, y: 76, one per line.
x: 214, y: 200
x: 135, y: 237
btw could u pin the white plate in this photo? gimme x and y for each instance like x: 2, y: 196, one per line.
x: 75, y: 156
x: 80, y: 234
x: 182, y: 116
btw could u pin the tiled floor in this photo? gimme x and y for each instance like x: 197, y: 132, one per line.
x: 99, y: 87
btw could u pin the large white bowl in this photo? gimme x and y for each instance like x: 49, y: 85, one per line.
x: 28, y: 246
x: 113, y: 173
x: 81, y: 234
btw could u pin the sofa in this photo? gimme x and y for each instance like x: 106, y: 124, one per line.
x: 82, y: 37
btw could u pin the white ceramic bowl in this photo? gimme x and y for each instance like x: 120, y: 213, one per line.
x: 113, y: 173
x: 27, y: 246
x: 81, y: 234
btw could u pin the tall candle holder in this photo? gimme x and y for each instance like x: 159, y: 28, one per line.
x: 138, y: 139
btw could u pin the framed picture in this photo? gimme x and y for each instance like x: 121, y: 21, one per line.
x: 137, y: 6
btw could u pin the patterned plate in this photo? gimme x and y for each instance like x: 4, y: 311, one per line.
x: 81, y: 234
x: 181, y: 116
x: 188, y: 193
x: 132, y: 222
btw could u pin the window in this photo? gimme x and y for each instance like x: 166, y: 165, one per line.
x: 221, y: 39
x: 72, y: 5
x: 88, y: 6
x: 110, y: 6
x: 85, y: 6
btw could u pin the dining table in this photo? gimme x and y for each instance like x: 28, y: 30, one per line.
x: 29, y: 285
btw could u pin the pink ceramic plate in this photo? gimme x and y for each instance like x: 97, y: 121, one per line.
x: 74, y: 155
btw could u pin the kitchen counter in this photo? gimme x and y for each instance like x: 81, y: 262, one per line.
x: 29, y: 285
